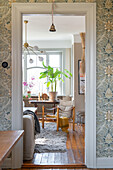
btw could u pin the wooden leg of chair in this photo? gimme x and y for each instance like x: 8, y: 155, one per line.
x: 73, y: 118
x: 57, y: 119
x: 42, y: 116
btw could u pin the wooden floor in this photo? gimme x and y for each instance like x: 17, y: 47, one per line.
x: 73, y: 156
x: 73, y: 159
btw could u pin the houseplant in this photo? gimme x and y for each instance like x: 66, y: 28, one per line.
x: 53, y: 77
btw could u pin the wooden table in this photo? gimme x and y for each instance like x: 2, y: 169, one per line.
x: 36, y: 102
x: 8, y: 140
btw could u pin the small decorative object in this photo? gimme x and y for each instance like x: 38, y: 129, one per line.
x: 81, y: 80
x: 53, y: 77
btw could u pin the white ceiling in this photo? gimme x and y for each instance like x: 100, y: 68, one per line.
x: 66, y: 26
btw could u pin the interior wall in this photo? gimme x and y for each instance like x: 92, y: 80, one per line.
x: 79, y: 99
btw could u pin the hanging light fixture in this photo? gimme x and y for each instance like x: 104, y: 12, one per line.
x: 52, y: 28
x: 29, y: 49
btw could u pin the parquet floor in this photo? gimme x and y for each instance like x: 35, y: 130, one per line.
x: 74, y: 155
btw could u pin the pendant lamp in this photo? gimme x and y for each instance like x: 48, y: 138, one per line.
x: 52, y: 28
x: 29, y: 49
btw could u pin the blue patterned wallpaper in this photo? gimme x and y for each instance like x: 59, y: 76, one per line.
x: 104, y: 70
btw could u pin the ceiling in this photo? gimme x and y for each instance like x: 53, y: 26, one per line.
x: 66, y: 26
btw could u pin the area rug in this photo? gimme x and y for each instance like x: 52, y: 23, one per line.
x: 49, y: 140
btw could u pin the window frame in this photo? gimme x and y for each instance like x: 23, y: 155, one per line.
x: 61, y: 53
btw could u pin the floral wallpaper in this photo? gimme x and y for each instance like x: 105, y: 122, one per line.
x: 104, y: 68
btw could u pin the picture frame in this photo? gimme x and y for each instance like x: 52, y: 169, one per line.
x: 81, y: 80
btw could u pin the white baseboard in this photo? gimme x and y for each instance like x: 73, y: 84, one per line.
x: 104, y: 162
x: 7, y: 163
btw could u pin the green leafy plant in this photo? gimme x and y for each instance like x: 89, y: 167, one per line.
x: 54, y: 76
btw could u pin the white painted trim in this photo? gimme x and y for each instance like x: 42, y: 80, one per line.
x: 17, y: 120
x: 88, y: 9
x: 105, y: 162
x: 90, y: 98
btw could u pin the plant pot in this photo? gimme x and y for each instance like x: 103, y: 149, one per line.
x: 53, y: 96
x: 29, y: 94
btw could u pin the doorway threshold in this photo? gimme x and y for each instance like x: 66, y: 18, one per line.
x: 60, y: 166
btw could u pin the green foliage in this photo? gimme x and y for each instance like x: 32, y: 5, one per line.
x: 53, y: 76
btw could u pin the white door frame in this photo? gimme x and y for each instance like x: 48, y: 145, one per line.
x: 87, y: 9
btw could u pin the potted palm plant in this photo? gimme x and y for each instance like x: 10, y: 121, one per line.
x: 53, y: 77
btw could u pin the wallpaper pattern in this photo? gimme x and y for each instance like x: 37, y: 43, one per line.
x: 104, y: 70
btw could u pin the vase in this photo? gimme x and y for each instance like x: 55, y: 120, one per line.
x: 53, y: 96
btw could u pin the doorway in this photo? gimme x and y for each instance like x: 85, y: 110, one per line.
x: 90, y: 102
x: 60, y: 52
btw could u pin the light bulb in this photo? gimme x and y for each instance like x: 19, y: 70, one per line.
x: 41, y: 58
x: 35, y: 48
x: 31, y: 61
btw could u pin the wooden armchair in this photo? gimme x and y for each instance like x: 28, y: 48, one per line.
x: 67, y: 111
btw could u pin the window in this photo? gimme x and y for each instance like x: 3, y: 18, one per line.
x: 31, y: 72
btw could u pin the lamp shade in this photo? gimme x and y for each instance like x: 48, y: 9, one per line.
x: 52, y: 28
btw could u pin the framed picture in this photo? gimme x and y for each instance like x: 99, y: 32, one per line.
x: 81, y: 80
